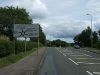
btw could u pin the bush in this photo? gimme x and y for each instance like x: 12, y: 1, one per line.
x: 6, y: 47
x: 97, y: 45
x: 20, y: 46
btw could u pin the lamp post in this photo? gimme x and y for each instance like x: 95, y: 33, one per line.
x: 91, y: 36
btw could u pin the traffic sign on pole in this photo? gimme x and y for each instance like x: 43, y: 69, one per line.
x: 26, y: 30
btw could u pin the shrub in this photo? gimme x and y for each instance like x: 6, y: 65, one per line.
x: 97, y: 45
x: 6, y: 47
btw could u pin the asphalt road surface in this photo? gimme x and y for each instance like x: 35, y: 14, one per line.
x: 70, y: 61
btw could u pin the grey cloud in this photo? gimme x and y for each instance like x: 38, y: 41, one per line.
x: 36, y: 8
x: 97, y: 26
x: 65, y: 30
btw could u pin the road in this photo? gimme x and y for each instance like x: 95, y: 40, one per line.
x: 70, y: 61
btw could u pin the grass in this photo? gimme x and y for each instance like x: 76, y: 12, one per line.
x: 14, y: 58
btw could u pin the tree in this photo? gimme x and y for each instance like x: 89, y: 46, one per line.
x: 58, y: 43
x: 84, y: 37
x: 99, y: 32
x: 10, y: 16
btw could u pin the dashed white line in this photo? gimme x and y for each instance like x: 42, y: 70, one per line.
x: 96, y: 73
x: 89, y: 72
x: 73, y: 61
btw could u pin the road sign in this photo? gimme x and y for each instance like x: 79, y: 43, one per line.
x: 26, y: 30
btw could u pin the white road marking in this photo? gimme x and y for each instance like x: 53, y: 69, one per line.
x: 88, y: 63
x: 64, y: 54
x: 73, y: 61
x: 76, y: 55
x: 96, y: 73
x: 87, y: 58
x: 70, y: 53
x: 89, y: 73
x: 87, y: 55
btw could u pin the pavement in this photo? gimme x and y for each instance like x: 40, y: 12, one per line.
x: 70, y: 61
x: 29, y: 65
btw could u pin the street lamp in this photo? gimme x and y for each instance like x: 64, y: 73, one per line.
x: 91, y: 36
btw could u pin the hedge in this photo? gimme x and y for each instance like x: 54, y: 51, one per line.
x: 7, y: 47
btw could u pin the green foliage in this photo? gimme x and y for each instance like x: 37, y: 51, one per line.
x: 7, y: 47
x: 97, y: 45
x: 57, y: 43
x: 13, y: 58
x: 42, y: 37
x: 10, y: 16
x: 84, y: 38
x: 20, y: 46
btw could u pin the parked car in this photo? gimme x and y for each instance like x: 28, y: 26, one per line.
x: 76, y: 46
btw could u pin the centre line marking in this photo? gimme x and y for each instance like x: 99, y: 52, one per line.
x: 73, y: 61
x: 88, y: 63
x: 96, y: 73
x: 89, y: 73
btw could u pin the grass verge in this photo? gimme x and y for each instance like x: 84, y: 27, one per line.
x: 14, y: 58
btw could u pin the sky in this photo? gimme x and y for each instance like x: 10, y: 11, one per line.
x: 60, y: 19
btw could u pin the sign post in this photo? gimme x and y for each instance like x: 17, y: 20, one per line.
x: 25, y: 45
x: 26, y: 31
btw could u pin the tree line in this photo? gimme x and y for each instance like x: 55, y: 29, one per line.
x: 56, y: 43
x: 84, y: 38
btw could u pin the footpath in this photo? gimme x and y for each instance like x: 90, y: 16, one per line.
x: 29, y: 65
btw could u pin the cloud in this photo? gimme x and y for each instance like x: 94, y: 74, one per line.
x: 36, y: 8
x: 64, y: 30
x: 61, y: 18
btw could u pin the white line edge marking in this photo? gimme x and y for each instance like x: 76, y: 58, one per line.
x: 88, y: 58
x: 89, y: 73
x: 96, y: 72
x: 62, y: 53
x: 88, y: 63
x: 73, y: 61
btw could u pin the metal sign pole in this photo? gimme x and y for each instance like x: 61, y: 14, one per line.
x: 38, y: 41
x: 25, y: 45
x: 14, y: 47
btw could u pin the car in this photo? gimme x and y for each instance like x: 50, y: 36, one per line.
x: 77, y: 46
